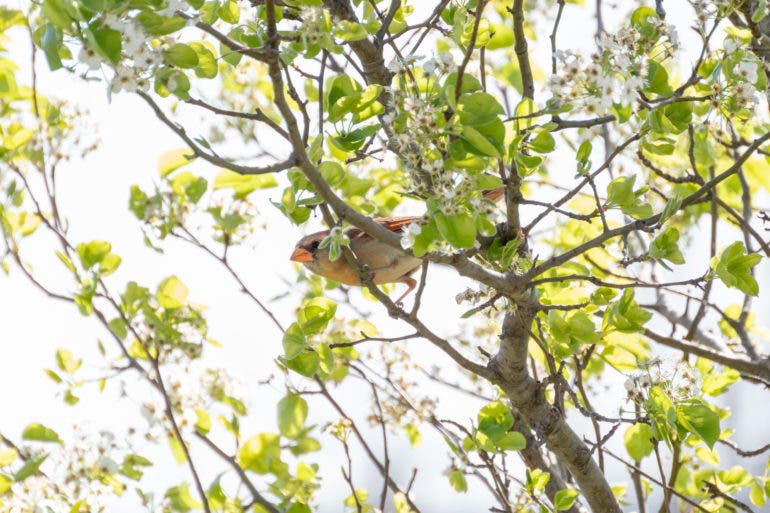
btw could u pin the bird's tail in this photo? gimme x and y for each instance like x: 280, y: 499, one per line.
x: 494, y: 195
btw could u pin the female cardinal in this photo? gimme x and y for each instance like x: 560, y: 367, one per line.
x: 386, y: 263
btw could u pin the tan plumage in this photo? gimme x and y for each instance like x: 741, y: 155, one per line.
x: 385, y: 263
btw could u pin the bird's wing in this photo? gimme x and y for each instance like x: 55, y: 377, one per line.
x: 394, y: 224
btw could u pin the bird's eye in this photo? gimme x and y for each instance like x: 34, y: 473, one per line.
x: 314, y: 245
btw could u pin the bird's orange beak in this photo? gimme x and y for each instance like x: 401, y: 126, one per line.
x: 301, y: 255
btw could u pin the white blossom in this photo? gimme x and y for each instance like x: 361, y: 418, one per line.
x: 125, y: 79
x: 747, y: 71
x: 90, y: 57
x: 410, y: 233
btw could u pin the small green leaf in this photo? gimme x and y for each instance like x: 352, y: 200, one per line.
x: 459, y: 230
x: 30, y: 467
x: 66, y: 362
x: 315, y: 314
x: 181, y: 55
x: 414, y: 435
x: 230, y: 12
x: 172, y: 160
x: 664, y: 247
x: 260, y: 452
x: 40, y: 433
x: 638, y: 440
x: 172, y: 293
x: 294, y: 341
x: 564, y: 499
x: 512, y: 441
x: 696, y: 417
x: 5, y: 483
x: 243, y: 185
x: 51, y: 44
x: 476, y: 109
x: 7, y: 456
x: 733, y: 266
x: 458, y: 482
x: 93, y: 252
x: 292, y: 412
x: 625, y: 315
x: 495, y: 419
x: 621, y: 193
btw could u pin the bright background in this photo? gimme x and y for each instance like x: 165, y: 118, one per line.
x: 94, y: 197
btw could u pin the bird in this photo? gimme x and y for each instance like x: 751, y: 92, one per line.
x: 385, y: 263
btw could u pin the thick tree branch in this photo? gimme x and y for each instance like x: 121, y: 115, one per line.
x: 527, y: 396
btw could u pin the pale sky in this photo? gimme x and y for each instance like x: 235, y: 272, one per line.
x: 94, y: 196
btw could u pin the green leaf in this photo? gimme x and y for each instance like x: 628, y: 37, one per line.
x: 172, y: 160
x: 414, y: 435
x: 476, y: 109
x: 294, y: 341
x: 458, y: 482
x: 697, y: 418
x: 292, y: 412
x: 349, y: 30
x: 315, y: 314
x: 625, y: 315
x: 243, y: 185
x: 260, y: 452
x: 172, y: 293
x: 66, y: 261
x: 512, y: 441
x: 570, y: 331
x: 564, y: 499
x: 230, y: 12
x: 717, y: 383
x: 207, y: 61
x: 638, y: 440
x: 30, y: 467
x: 733, y: 266
x: 50, y: 42
x: 7, y: 456
x: 109, y: 264
x: 478, y: 142
x: 5, y: 483
x: 66, y: 362
x: 306, y: 363
x: 459, y: 230
x: 664, y: 247
x: 40, y: 433
x: 93, y: 252
x: 203, y: 421
x: 181, y: 498
x: 332, y: 172
x: 109, y: 42
x: 537, y: 480
x: 177, y: 449
x: 495, y: 419
x: 181, y: 56
x: 543, y: 142
x: 620, y: 192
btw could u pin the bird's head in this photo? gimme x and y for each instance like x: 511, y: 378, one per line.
x: 306, y: 251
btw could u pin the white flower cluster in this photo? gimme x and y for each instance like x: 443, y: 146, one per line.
x: 746, y: 74
x: 218, y: 383
x: 186, y: 396
x: 408, y: 235
x: 420, y: 145
x: 615, y: 75
x: 311, y: 31
x: 76, y: 471
x: 680, y: 381
x: 442, y: 64
x: 707, y: 9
